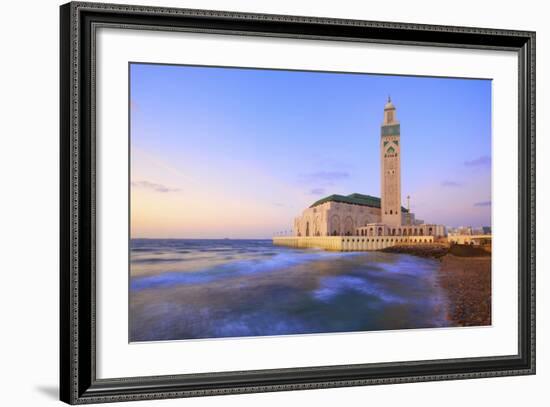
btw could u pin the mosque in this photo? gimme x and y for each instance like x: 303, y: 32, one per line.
x: 365, y: 216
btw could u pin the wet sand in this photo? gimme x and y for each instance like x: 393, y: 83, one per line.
x: 467, y: 281
x: 465, y: 275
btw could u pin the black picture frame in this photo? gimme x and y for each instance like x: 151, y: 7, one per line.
x: 78, y: 382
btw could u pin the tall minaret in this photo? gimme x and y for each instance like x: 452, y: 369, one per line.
x: 390, y: 159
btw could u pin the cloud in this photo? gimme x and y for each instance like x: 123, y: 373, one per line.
x: 483, y: 203
x: 317, y: 191
x: 452, y: 184
x: 153, y: 186
x: 483, y: 161
x: 326, y: 177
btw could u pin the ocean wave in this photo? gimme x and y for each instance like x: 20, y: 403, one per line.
x: 157, y: 260
x: 236, y: 268
x: 259, y: 289
x: 332, y: 287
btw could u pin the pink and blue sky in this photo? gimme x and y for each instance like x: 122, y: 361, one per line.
x: 238, y: 153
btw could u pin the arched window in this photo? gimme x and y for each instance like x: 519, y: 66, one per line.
x: 379, y: 231
x: 307, y: 228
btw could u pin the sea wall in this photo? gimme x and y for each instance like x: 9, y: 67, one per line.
x: 350, y: 243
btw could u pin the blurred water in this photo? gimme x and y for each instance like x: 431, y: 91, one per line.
x: 189, y: 289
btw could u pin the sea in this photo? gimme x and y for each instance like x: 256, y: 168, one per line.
x: 196, y: 289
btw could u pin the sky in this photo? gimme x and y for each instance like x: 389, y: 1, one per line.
x: 239, y: 153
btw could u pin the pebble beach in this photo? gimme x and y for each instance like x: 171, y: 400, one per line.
x: 465, y: 275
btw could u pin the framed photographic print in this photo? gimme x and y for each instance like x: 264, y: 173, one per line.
x: 255, y: 203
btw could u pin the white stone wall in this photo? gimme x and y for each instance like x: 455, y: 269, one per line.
x: 312, y: 222
x: 361, y: 243
x: 341, y: 219
x: 333, y: 218
x: 401, y: 230
x: 350, y: 243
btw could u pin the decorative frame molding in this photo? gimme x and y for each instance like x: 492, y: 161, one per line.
x: 78, y: 382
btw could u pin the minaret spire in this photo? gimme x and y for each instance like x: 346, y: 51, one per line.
x: 390, y: 157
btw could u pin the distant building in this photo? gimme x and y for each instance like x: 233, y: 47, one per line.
x: 463, y: 230
x: 364, y: 215
x: 477, y: 240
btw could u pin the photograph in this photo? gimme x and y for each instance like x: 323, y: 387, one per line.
x: 267, y: 202
x: 288, y: 198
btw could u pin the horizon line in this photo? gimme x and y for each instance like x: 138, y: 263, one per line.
x: 201, y: 238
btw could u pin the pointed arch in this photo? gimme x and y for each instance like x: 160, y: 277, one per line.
x: 349, y: 227
x: 334, y: 226
x: 316, y: 228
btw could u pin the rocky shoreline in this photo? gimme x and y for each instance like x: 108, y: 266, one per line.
x: 426, y: 250
x: 465, y: 274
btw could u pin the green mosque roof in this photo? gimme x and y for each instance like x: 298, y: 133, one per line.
x: 353, y: 199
